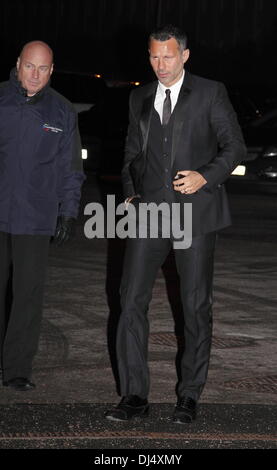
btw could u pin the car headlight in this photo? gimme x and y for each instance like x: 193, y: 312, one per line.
x: 84, y: 154
x: 270, y: 152
x: 239, y: 170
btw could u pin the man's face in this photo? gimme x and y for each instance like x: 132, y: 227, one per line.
x: 34, y: 68
x: 167, y: 60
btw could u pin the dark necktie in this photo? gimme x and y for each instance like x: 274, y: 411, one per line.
x: 166, y: 108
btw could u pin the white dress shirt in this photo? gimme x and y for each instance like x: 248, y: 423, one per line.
x: 174, y: 93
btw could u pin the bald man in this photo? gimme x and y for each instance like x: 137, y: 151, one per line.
x: 40, y: 185
x: 34, y: 66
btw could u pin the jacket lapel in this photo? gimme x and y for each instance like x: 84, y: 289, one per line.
x: 146, y: 115
x: 180, y: 114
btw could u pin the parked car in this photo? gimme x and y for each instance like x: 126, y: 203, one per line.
x: 86, y: 92
x: 259, y: 171
x: 102, y: 107
x: 246, y: 108
x: 106, y: 123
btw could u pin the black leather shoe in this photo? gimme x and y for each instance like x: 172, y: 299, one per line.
x: 19, y: 383
x: 185, y: 410
x: 129, y: 407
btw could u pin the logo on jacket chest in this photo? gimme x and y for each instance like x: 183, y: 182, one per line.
x: 47, y: 128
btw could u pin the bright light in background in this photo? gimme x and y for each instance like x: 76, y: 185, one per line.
x: 239, y: 170
x: 97, y: 75
x: 84, y: 154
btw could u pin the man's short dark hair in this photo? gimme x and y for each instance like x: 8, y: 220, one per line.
x: 169, y: 31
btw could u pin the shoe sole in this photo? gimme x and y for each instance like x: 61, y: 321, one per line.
x: 112, y: 418
x: 183, y: 421
x: 19, y: 389
x: 144, y: 414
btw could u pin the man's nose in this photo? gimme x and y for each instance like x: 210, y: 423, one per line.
x: 35, y: 73
x: 161, y: 64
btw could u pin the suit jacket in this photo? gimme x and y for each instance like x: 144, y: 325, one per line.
x: 206, y: 138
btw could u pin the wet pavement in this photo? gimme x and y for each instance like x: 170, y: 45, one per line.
x: 75, y: 369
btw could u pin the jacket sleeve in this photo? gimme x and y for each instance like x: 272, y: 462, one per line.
x: 231, y: 147
x: 132, y: 148
x: 71, y: 169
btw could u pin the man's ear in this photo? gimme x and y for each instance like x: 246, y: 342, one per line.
x: 51, y: 70
x: 18, y: 63
x: 186, y: 54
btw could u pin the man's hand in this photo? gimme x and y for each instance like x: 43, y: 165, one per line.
x: 188, y: 182
x: 65, y: 229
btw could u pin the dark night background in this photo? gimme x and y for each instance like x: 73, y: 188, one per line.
x: 230, y: 40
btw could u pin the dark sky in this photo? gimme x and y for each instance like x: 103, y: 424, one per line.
x: 232, y: 40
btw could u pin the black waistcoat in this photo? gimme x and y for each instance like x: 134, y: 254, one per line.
x: 157, y: 180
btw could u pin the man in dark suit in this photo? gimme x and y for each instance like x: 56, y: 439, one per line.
x: 190, y: 131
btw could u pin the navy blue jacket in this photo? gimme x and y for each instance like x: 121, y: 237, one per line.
x: 40, y: 159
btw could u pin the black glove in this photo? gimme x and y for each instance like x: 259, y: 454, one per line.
x: 65, y: 229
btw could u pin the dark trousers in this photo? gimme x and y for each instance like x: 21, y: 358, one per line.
x: 143, y: 258
x: 22, y: 268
